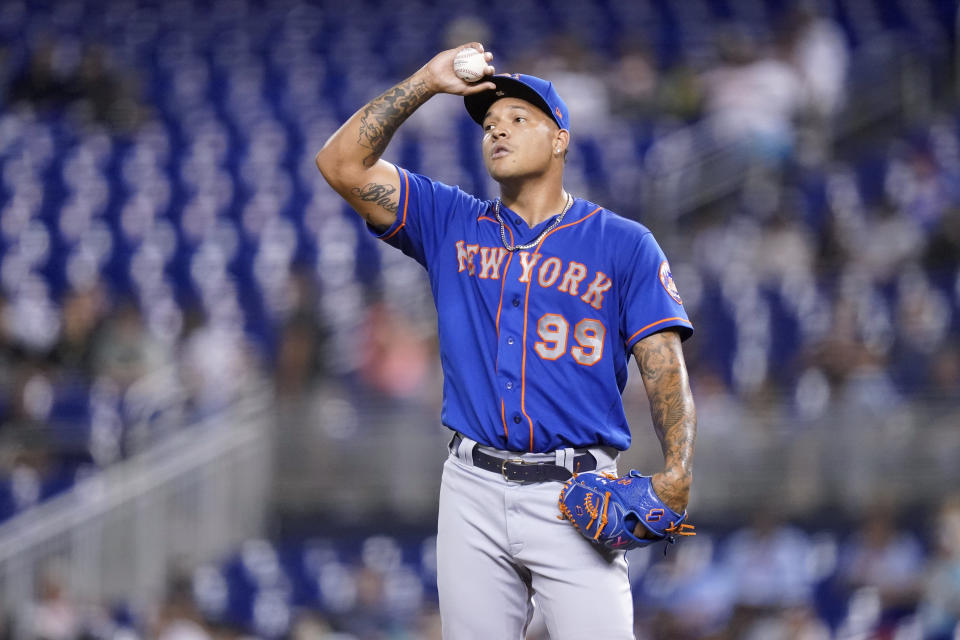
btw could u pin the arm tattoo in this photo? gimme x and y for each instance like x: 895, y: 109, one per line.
x: 671, y: 403
x: 383, y: 115
x: 378, y: 194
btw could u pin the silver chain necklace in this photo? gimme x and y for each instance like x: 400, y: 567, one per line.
x: 517, y: 247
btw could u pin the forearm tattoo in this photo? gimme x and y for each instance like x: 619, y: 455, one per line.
x: 379, y: 194
x: 383, y: 115
x: 671, y: 405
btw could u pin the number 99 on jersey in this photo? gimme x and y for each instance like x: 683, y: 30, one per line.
x: 554, y: 332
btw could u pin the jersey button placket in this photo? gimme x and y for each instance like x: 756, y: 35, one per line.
x: 510, y: 355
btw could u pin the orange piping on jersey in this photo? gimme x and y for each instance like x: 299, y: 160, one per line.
x: 503, y: 419
x: 523, y: 364
x: 564, y: 226
x: 526, y: 304
x: 503, y: 280
x: 406, y: 198
x: 653, y: 324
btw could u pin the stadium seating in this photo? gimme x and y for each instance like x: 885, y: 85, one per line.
x: 213, y: 200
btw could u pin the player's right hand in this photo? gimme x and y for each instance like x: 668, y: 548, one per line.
x: 673, y: 488
x: 440, y: 78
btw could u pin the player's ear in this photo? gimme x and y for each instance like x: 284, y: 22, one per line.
x: 561, y: 142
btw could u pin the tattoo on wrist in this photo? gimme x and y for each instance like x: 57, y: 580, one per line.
x: 383, y: 115
x: 671, y: 408
x: 379, y: 194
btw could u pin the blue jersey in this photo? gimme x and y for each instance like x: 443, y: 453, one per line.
x: 535, y: 344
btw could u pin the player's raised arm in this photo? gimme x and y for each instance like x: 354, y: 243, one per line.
x: 350, y: 159
x: 664, y: 373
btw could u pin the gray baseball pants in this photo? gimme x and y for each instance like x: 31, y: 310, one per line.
x: 501, y: 547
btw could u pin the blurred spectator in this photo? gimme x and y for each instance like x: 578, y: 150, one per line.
x: 43, y: 83
x: 942, y: 251
x: 55, y: 79
x: 54, y: 616
x: 125, y: 351
x: 923, y: 320
x: 31, y: 320
x: 466, y: 28
x: 918, y: 187
x: 367, y: 618
x: 7, y: 357
x: 887, y: 244
x: 786, y: 249
x: 940, y: 602
x: 300, y: 351
x: 752, y: 98
x: 298, y: 356
x: 945, y: 372
x: 789, y: 623
x: 853, y: 352
x: 178, y: 617
x: 720, y: 411
x: 634, y: 81
x: 22, y: 466
x: 216, y: 364
x: 429, y: 626
x: 104, y: 94
x: 882, y: 557
x: 768, y: 562
x: 311, y: 625
x: 397, y: 362
x: 574, y: 70
x: 681, y: 92
x: 817, y: 49
x: 685, y: 594
x: 83, y: 313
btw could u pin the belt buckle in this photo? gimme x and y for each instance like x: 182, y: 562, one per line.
x: 503, y: 467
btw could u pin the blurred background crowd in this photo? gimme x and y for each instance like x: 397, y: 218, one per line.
x: 199, y: 343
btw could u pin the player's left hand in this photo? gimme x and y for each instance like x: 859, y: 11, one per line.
x: 611, y: 511
x: 673, y: 489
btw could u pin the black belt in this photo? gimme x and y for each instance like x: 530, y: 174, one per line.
x: 518, y: 470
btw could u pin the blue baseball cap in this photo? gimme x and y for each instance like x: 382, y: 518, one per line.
x: 534, y: 90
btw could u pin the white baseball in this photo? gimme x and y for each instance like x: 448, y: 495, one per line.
x: 469, y: 65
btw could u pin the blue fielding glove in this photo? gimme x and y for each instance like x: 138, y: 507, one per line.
x: 606, y: 510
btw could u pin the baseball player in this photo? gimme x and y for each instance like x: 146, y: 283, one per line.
x: 541, y: 298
